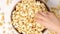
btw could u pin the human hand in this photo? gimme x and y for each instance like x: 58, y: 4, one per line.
x: 49, y: 20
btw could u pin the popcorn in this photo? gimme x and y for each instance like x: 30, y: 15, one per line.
x: 26, y: 13
x: 23, y: 17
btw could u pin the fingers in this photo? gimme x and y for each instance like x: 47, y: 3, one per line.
x: 42, y: 13
x: 51, y: 16
x: 39, y: 20
x: 45, y: 14
x: 41, y: 16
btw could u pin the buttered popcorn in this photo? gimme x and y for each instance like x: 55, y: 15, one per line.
x: 23, y: 17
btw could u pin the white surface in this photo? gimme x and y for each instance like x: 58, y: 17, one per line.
x: 9, y: 9
x: 53, y: 3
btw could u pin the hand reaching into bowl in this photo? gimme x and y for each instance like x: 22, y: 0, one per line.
x: 49, y: 20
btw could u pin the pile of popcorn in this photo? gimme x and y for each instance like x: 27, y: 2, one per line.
x: 23, y: 17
